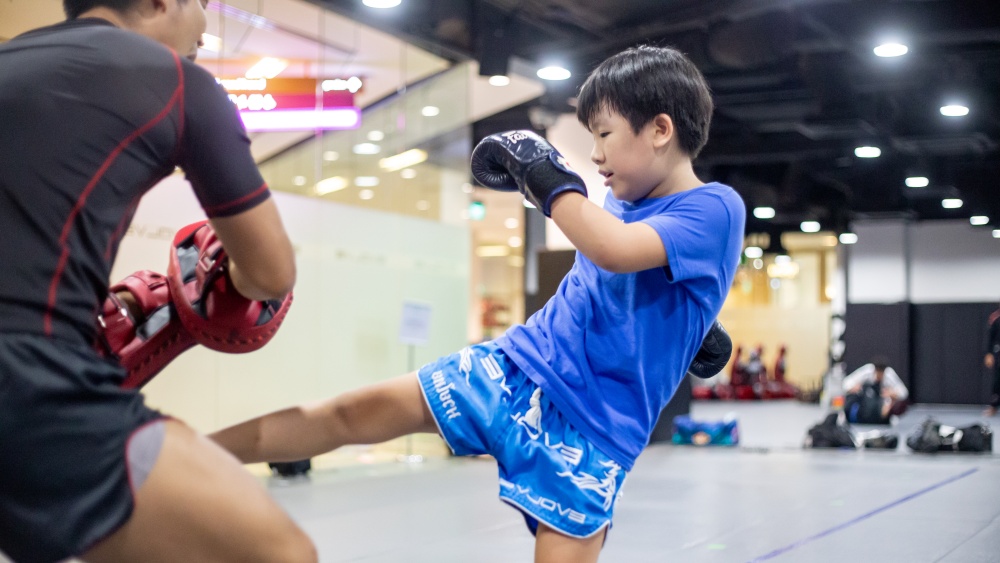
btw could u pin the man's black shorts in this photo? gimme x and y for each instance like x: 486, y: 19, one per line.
x: 64, y: 427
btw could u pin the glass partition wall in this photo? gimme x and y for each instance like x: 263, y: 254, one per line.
x: 377, y: 209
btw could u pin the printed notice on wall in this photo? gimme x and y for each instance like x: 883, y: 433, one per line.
x: 415, y: 327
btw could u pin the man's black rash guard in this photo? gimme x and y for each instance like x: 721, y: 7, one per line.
x: 92, y: 117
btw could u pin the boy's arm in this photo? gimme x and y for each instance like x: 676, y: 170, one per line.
x: 609, y: 243
x: 523, y: 161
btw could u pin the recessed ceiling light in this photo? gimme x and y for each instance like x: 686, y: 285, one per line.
x: 553, y: 73
x: 954, y: 110
x: 891, y: 50
x: 268, y: 67
x: 492, y: 251
x: 366, y: 181
x: 754, y: 252
x: 299, y: 180
x: 951, y: 203
x: 499, y: 80
x: 376, y: 135
x: 979, y: 220
x: 996, y: 233
x: 408, y: 173
x: 515, y: 242
x: 331, y: 156
x: 867, y: 152
x: 402, y: 160
x: 809, y: 226
x: 917, y: 182
x: 763, y: 212
x: 330, y: 185
x: 367, y: 148
x: 511, y: 223
x: 381, y: 4
x: 430, y: 111
x: 366, y: 194
x: 848, y: 238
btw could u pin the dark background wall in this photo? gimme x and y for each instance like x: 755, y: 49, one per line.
x: 937, y: 348
x: 948, y: 347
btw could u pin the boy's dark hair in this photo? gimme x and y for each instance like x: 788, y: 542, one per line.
x: 643, y: 82
x: 74, y: 8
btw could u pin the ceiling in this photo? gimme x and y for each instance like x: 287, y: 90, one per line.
x: 796, y: 84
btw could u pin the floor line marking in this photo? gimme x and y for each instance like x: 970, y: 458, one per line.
x: 865, y: 516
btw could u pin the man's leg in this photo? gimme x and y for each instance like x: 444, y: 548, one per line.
x: 199, y: 504
x: 553, y: 547
x: 368, y: 415
x: 991, y: 410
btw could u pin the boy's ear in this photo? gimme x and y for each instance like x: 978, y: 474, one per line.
x: 663, y: 130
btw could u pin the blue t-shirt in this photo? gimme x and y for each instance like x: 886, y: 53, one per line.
x: 609, y: 350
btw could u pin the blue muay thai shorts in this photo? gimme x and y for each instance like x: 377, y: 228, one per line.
x: 484, y: 404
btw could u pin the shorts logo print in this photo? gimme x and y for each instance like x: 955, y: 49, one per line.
x: 495, y: 372
x: 573, y: 456
x: 604, y: 487
x: 465, y: 364
x: 443, y: 390
x: 532, y: 420
x: 545, y: 503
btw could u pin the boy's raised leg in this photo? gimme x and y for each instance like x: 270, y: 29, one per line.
x: 369, y: 415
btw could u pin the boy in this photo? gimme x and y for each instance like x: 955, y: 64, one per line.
x: 566, y: 402
x: 96, y: 110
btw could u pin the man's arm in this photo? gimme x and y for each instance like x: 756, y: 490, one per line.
x: 261, y: 258
x: 896, y: 386
x: 852, y: 383
x: 215, y: 155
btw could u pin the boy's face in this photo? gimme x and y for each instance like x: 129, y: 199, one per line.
x: 626, y: 160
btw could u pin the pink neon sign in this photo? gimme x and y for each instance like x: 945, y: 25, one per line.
x: 302, y: 119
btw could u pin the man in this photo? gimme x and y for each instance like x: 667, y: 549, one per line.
x: 992, y: 360
x: 97, y: 110
x: 887, y: 385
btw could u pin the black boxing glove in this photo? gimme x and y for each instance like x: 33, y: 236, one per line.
x: 714, y: 353
x: 524, y: 161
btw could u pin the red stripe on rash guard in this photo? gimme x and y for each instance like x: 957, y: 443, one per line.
x: 218, y: 208
x: 68, y: 225
x: 180, y: 99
